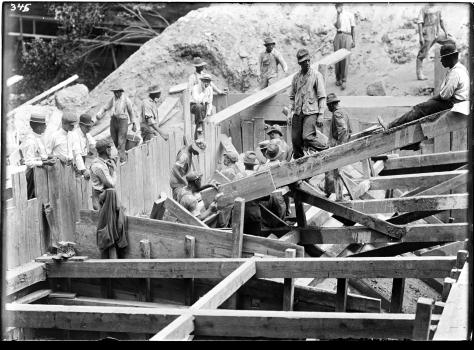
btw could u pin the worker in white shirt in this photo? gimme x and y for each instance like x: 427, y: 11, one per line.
x: 84, y: 141
x: 33, y: 151
x: 194, y: 79
x: 344, y: 39
x: 201, y: 102
x: 63, y: 146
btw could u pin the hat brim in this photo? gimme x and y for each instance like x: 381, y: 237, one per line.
x: 273, y: 130
x: 449, y: 54
x: 38, y: 121
x: 154, y: 92
x: 272, y: 43
x: 87, y: 124
x: 200, y: 64
x: 274, y: 157
x: 117, y: 90
x: 304, y: 58
x: 333, y: 101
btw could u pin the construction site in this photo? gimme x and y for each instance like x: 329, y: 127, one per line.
x: 383, y: 254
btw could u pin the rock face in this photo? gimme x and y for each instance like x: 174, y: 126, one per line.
x: 376, y: 89
x: 71, y: 97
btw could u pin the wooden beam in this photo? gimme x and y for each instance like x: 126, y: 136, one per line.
x: 291, y: 237
x: 426, y: 160
x: 447, y: 285
x: 159, y: 208
x: 271, y: 90
x: 289, y: 286
x: 412, y: 180
x: 396, y: 300
x: 363, y: 235
x: 238, y: 227
x: 178, y: 88
x: 453, y: 324
x: 183, y: 215
x: 145, y: 248
x: 64, y: 299
x: 421, y: 328
x: 341, y: 294
x: 179, y: 329
x: 44, y: 94
x: 24, y: 276
x: 190, y: 248
x: 348, y: 267
x: 32, y: 297
x: 409, y: 204
x: 335, y: 157
x: 310, y: 196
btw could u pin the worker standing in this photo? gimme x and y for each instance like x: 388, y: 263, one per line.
x: 183, y: 164
x: 269, y: 61
x: 122, y: 112
x: 150, y: 120
x: 344, y: 39
x: 201, y: 102
x: 429, y: 23
x: 84, y: 142
x: 308, y: 102
x: 339, y: 133
x: 194, y: 79
x: 34, y: 152
x: 103, y: 172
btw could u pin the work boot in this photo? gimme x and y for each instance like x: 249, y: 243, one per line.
x: 343, y: 85
x: 419, y: 70
x: 382, y: 123
x: 338, y: 83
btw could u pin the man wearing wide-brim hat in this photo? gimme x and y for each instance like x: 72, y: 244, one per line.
x: 84, y: 141
x: 194, y: 79
x: 149, y: 125
x: 308, y: 102
x: 276, y: 134
x: 269, y: 61
x: 339, y: 133
x: 230, y: 168
x: 33, y: 151
x: 201, y: 102
x: 122, y: 112
x: 454, y: 89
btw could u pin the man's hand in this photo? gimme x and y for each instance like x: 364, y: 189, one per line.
x: 353, y: 44
x: 225, y: 92
x: 319, y: 121
x: 48, y: 162
x: 134, y: 127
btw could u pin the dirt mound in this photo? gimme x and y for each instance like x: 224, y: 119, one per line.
x: 230, y: 37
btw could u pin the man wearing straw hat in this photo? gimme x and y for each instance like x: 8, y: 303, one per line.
x: 33, y: 151
x: 84, y: 142
x: 194, y: 79
x: 149, y: 125
x: 454, y: 89
x: 62, y: 144
x: 201, y: 102
x: 269, y: 61
x: 122, y: 112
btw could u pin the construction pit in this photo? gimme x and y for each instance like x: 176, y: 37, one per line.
x: 387, y: 262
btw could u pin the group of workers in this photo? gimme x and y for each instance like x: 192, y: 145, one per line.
x: 308, y: 101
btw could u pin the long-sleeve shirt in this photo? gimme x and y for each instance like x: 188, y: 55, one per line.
x: 199, y: 94
x: 83, y: 144
x: 102, y: 175
x: 269, y: 63
x: 308, y: 93
x: 455, y: 86
x: 62, y: 144
x: 121, y: 108
x: 33, y: 150
x: 195, y: 79
x: 340, y: 128
x: 347, y: 22
x: 149, y: 112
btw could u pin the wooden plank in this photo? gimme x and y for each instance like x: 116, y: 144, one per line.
x: 24, y: 276
x: 183, y: 215
x: 178, y: 88
x: 179, y: 329
x: 65, y: 299
x: 188, y: 123
x: 348, y: 267
x: 453, y: 324
x: 247, y: 135
x: 291, y: 237
x: 190, y: 247
x: 396, y: 300
x: 89, y: 318
x: 310, y: 196
x: 289, y: 286
x: 145, y: 248
x: 341, y: 296
x: 447, y: 285
x: 272, y: 90
x: 338, y: 156
x: 410, y: 204
x: 159, y: 208
x: 237, y: 227
x: 148, y: 191
x: 32, y: 297
x: 363, y: 235
x: 426, y: 160
x: 258, y: 130
x: 410, y: 181
x: 421, y: 327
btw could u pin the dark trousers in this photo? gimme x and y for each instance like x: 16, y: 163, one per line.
x: 422, y: 110
x: 30, y: 183
x: 303, y: 133
x: 342, y: 41
x: 118, y: 132
x: 199, y: 111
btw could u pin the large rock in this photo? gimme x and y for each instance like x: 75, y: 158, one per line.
x: 71, y: 97
x: 376, y: 89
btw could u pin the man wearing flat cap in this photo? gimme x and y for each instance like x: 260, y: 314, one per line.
x: 230, y: 168
x: 183, y: 164
x: 190, y: 198
x: 201, y: 102
x: 103, y: 172
x: 149, y: 125
x: 308, y: 102
x: 339, y: 133
x: 269, y: 61
x: 34, y: 152
x: 454, y: 89
x: 84, y: 141
x: 122, y: 111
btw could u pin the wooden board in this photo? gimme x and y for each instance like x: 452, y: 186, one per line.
x: 426, y: 160
x: 411, y: 181
x: 24, y: 276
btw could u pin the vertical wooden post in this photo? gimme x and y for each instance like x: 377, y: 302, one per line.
x: 145, y: 250
x: 341, y: 294
x: 455, y: 274
x: 190, y: 249
x: 258, y: 130
x: 461, y: 258
x: 421, y: 327
x: 365, y: 168
x: 447, y: 284
x: 237, y: 239
x: 396, y: 301
x: 185, y: 102
x: 438, y: 308
x: 289, y: 285
x: 299, y: 210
